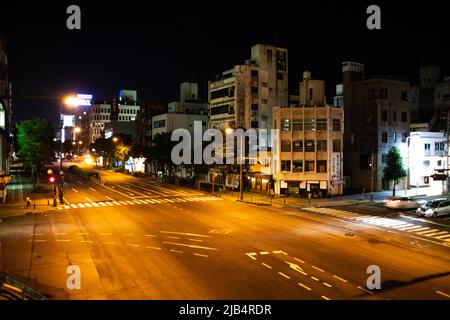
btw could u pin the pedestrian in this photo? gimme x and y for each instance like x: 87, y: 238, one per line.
x: 28, y: 201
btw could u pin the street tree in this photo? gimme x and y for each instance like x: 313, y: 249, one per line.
x: 36, y: 145
x: 394, y: 169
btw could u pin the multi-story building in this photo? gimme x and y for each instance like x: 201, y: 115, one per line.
x: 243, y: 97
x: 5, y: 121
x: 307, y: 156
x: 426, y: 156
x: 182, y: 113
x: 148, y: 111
x: 377, y: 118
x: 124, y: 109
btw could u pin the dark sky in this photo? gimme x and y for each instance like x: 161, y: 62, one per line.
x: 153, y: 46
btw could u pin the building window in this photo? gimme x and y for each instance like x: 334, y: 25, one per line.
x: 404, y: 116
x: 383, y: 158
x: 159, y: 124
x: 298, y: 146
x: 384, y: 115
x: 297, y: 125
x: 336, y: 125
x: 395, y: 137
x: 309, y: 146
x: 321, y: 166
x: 297, y: 165
x: 321, y: 145
x: 439, y: 146
x: 285, y: 124
x: 394, y: 116
x: 279, y: 76
x: 285, y: 165
x: 254, y: 107
x: 439, y: 163
x: 322, y: 125
x: 404, y: 136
x: 285, y: 146
x: 426, y: 163
x: 254, y: 89
x: 337, y: 145
x: 384, y: 137
x: 269, y: 56
x: 309, y: 165
x: 310, y: 125
x: 427, y: 146
x: 254, y: 124
x: 255, y: 73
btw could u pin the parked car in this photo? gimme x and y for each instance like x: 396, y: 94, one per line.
x: 434, y: 208
x: 402, y: 203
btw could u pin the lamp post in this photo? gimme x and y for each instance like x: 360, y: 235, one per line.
x: 79, y: 143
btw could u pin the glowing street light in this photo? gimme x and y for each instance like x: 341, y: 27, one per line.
x: 115, y: 139
x: 77, y: 129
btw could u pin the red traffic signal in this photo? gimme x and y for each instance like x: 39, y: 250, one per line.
x: 51, y: 179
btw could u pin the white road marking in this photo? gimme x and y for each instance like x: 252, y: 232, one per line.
x: 190, y: 246
x: 109, y: 198
x: 87, y: 204
x: 75, y: 190
x: 102, y: 204
x: 187, y: 234
x: 443, y: 294
x: 304, y: 286
x: 284, y: 275
x: 201, y: 255
x: 365, y: 290
x: 279, y: 251
x: 92, y: 189
x: 339, y: 278
x: 266, y: 265
x: 318, y: 268
x: 81, y: 205
x: 251, y: 255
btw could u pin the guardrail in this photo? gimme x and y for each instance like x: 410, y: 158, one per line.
x: 18, y: 290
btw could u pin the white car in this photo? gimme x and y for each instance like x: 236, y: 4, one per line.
x: 402, y: 203
x: 434, y: 208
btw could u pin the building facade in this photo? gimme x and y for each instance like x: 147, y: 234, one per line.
x: 377, y: 118
x: 5, y: 121
x: 426, y: 157
x: 243, y: 97
x: 124, y: 109
x: 308, y: 154
x: 148, y: 111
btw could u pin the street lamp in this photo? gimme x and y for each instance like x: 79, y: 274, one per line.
x: 79, y: 144
x: 115, y: 139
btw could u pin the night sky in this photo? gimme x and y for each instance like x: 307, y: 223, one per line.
x: 153, y: 46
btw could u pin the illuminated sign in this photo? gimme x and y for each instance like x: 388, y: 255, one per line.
x: 108, y: 133
x: 68, y: 120
x: 84, y: 99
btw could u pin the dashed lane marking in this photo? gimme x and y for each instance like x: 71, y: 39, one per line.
x: 190, y: 246
x: 339, y: 278
x: 266, y: 265
x: 365, y: 290
x: 304, y: 286
x: 443, y: 294
x: 321, y: 270
x: 186, y: 234
x: 284, y: 275
x: 177, y: 251
x: 325, y: 298
x: 201, y: 255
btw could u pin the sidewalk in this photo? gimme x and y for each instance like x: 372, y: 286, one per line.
x: 17, y: 191
x: 264, y: 200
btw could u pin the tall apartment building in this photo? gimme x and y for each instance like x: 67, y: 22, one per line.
x: 124, y: 109
x: 243, y: 96
x: 377, y: 117
x: 308, y: 151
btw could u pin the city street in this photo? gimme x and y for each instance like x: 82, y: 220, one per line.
x: 137, y: 239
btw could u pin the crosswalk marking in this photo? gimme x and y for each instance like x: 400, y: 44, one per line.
x: 445, y: 236
x: 385, y: 222
x: 136, y: 201
x: 436, y: 234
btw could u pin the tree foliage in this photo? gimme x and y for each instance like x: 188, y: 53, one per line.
x: 394, y: 169
x: 35, y: 142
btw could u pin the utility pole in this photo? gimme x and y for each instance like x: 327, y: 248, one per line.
x: 371, y: 176
x: 241, y: 182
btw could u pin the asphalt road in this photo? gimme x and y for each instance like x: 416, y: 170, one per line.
x: 136, y: 239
